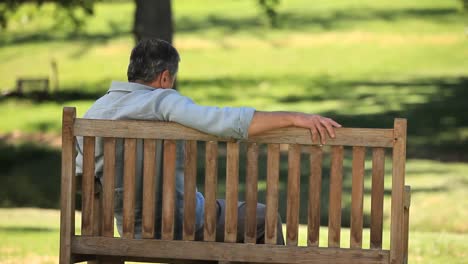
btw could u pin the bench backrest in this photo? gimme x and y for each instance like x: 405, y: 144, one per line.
x: 98, y: 218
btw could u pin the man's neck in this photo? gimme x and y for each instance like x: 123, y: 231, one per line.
x: 156, y: 84
x: 144, y: 83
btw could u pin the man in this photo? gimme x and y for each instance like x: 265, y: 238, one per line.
x: 148, y: 95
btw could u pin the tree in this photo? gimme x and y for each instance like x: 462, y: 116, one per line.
x: 269, y: 8
x: 153, y: 19
x: 8, y: 7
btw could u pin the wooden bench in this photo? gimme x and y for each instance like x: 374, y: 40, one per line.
x: 98, y: 243
x: 25, y: 85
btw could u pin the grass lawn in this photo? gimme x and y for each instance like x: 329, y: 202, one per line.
x: 360, y: 62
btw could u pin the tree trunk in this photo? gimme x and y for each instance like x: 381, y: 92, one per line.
x: 153, y: 19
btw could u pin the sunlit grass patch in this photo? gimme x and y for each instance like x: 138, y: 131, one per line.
x: 27, y: 116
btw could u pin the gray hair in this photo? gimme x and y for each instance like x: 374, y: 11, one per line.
x: 151, y: 57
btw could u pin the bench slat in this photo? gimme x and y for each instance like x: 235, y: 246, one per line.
x: 294, y: 171
x: 168, y: 204
x: 87, y: 217
x: 97, y: 221
x: 236, y: 252
x: 334, y: 211
x: 129, y: 188
x: 271, y: 217
x: 315, y: 187
x: 108, y: 188
x: 291, y: 135
x: 149, y: 188
x: 190, y: 176
x: 251, y: 194
x: 211, y: 175
x: 232, y: 182
x: 377, y: 196
x: 357, y: 194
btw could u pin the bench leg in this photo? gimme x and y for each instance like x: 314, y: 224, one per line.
x: 407, y: 203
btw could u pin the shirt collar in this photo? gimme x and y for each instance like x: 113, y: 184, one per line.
x: 128, y: 87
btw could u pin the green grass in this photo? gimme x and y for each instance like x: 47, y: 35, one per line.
x: 360, y: 62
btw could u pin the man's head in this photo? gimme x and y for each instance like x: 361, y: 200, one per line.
x: 153, y: 62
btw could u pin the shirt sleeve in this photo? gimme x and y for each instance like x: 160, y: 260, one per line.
x: 230, y: 122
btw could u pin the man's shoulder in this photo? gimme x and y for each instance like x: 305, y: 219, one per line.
x: 131, y: 102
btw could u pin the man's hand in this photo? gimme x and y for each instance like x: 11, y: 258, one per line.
x: 318, y: 126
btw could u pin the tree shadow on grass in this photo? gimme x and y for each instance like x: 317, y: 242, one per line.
x: 27, y: 229
x: 435, y: 106
x: 435, y: 128
x: 340, y: 19
x: 56, y: 34
x: 57, y: 96
x: 89, y: 91
x: 30, y: 175
x: 328, y: 20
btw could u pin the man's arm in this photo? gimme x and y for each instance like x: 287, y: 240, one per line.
x: 235, y: 122
x: 318, y: 125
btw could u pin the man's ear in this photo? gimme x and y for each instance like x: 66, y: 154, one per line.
x: 165, y: 76
x: 166, y: 79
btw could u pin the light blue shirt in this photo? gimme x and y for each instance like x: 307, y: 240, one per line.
x: 126, y: 100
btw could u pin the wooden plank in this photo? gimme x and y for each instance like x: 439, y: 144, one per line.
x: 357, y: 197
x: 153, y: 260
x: 97, y: 215
x: 406, y: 223
x: 87, y: 186
x: 407, y: 200
x: 237, y: 252
x: 108, y: 188
x: 315, y: 187
x: 292, y: 215
x: 291, y: 135
x: 334, y: 211
x: 377, y: 197
x: 149, y: 188
x: 168, y: 205
x: 232, y: 182
x: 128, y: 225
x: 190, y: 179
x: 251, y: 185
x: 271, y: 214
x: 67, y: 192
x: 211, y: 175
x: 398, y: 184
